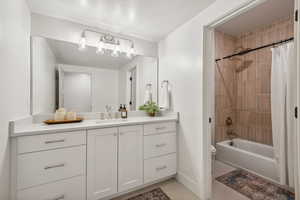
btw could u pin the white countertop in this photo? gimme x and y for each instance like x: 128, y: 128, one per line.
x: 41, y: 128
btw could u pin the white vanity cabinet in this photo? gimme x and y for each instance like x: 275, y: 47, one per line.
x: 130, y: 169
x: 94, y: 163
x: 114, y: 160
x: 159, y: 151
x: 102, y: 163
x: 49, y: 166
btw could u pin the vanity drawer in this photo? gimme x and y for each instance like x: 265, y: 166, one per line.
x: 161, y: 167
x: 69, y: 189
x: 50, y: 141
x: 161, y: 144
x: 156, y: 128
x: 47, y: 166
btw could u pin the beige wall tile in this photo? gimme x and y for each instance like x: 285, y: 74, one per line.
x: 249, y: 85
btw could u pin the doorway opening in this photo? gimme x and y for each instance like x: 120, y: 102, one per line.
x: 133, y: 85
x: 252, y: 101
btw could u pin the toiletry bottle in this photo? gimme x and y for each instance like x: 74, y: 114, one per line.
x: 124, y: 112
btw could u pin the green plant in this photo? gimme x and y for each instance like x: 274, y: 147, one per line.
x: 151, y: 108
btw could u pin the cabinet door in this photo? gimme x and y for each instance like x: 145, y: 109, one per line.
x: 102, y: 163
x: 130, y: 157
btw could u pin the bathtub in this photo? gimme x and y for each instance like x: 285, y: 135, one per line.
x: 252, y: 156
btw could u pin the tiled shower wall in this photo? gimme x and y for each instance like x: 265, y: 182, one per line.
x: 248, y: 78
x: 225, y: 85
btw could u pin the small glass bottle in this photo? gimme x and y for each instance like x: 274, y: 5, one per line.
x: 124, y: 113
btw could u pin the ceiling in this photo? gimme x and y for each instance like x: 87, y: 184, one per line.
x: 259, y: 16
x: 68, y: 53
x: 147, y: 19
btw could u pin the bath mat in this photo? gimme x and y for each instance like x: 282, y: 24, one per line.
x: 155, y: 194
x: 254, y: 187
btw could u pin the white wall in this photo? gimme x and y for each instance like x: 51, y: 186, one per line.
x: 181, y: 62
x: 149, y: 75
x: 77, y: 91
x: 43, y: 76
x: 54, y: 28
x: 14, y: 76
x: 147, y: 68
x: 105, y: 85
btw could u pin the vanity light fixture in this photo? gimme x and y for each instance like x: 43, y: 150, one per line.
x: 109, y: 44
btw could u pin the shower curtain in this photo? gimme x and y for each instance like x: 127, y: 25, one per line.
x: 283, y: 101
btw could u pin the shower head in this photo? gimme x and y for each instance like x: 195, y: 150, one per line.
x: 235, y: 58
x: 244, y: 65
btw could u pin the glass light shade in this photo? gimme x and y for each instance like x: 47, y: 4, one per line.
x: 82, y: 43
x: 130, y: 52
x: 100, y: 47
x: 115, y: 53
x: 116, y: 50
x: 128, y: 55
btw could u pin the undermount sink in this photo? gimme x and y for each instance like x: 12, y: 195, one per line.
x: 107, y: 121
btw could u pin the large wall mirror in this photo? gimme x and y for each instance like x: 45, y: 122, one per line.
x: 84, y: 81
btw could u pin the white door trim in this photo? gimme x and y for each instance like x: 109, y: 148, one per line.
x: 208, y: 89
x: 297, y: 154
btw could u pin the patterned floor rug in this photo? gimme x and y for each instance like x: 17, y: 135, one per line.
x: 155, y: 194
x: 254, y: 187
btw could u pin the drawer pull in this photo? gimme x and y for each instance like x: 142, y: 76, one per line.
x: 58, y: 198
x: 160, y: 145
x: 54, y: 141
x: 161, y: 168
x: 160, y: 128
x: 54, y: 166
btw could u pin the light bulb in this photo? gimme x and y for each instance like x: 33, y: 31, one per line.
x: 100, y: 47
x: 82, y: 42
x: 116, y: 50
x: 130, y: 52
x: 115, y: 53
x: 128, y: 55
x: 117, y: 47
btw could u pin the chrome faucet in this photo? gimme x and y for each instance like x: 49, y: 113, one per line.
x: 108, y: 112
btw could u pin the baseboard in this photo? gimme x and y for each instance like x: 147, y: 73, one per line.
x: 188, y: 182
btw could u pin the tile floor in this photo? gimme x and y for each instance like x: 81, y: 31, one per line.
x: 176, y: 191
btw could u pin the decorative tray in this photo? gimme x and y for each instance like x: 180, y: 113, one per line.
x: 52, y: 121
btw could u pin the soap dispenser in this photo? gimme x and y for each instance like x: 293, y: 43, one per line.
x: 124, y: 113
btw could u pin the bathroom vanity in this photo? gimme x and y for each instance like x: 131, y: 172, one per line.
x: 103, y: 156
x: 95, y: 159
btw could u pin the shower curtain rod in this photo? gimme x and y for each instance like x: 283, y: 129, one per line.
x: 255, y: 49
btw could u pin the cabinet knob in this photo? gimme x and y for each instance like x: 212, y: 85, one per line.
x: 115, y: 134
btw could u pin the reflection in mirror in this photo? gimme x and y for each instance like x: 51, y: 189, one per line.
x: 75, y: 91
x: 84, y: 81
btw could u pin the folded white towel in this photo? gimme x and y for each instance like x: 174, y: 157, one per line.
x: 164, y: 99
